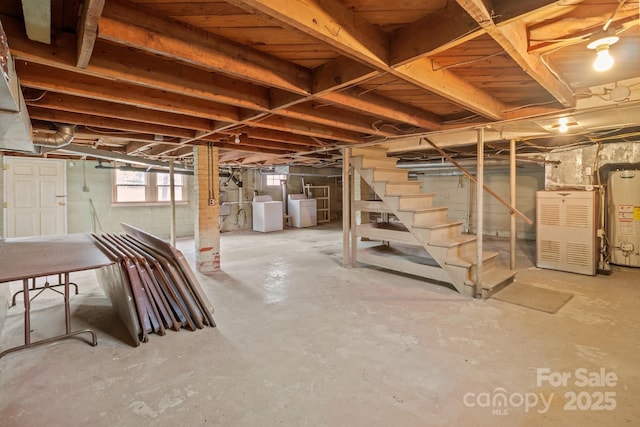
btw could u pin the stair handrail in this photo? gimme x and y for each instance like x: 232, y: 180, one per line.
x: 473, y: 178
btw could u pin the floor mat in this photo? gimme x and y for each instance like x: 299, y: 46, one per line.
x: 533, y: 297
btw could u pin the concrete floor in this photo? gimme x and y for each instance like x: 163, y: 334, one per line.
x: 302, y: 341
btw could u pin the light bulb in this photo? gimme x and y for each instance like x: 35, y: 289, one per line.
x: 237, y: 139
x: 563, y: 128
x: 604, y: 61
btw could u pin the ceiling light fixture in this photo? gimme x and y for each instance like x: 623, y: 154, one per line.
x: 237, y: 139
x: 600, y: 43
x: 563, y: 127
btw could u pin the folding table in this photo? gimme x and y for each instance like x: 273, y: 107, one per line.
x: 32, y: 257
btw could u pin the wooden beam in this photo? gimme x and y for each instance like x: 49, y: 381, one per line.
x: 332, y: 23
x: 309, y: 129
x: 340, y: 73
x: 76, y: 104
x: 87, y: 30
x: 134, y: 147
x: 328, y: 115
x: 152, y: 72
x: 106, y: 123
x: 277, y: 136
x: 41, y: 77
x: 513, y: 39
x: 433, y: 34
x: 139, y: 28
x: 452, y: 87
x: 183, y: 152
x: 119, y: 63
x: 380, y: 106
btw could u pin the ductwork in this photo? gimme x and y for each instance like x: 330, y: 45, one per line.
x: 15, y: 126
x: 61, y: 138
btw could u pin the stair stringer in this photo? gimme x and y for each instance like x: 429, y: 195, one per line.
x: 436, y: 227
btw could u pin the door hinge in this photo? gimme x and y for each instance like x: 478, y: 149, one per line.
x: 5, y: 166
x: 5, y: 204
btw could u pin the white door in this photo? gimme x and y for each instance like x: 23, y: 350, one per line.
x: 35, y: 196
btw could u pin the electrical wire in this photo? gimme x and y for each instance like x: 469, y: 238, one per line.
x: 469, y: 61
x: 38, y: 98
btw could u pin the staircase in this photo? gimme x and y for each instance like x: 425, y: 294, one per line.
x: 424, y: 242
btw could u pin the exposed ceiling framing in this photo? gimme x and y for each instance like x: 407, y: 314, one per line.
x: 293, y: 80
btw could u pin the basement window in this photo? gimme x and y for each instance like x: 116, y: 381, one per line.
x: 146, y: 187
x: 273, y: 180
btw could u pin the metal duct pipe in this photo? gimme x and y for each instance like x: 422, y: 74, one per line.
x: 62, y: 137
x: 447, y: 165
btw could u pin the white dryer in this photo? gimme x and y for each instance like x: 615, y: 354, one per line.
x: 302, y: 211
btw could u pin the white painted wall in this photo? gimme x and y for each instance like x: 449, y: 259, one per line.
x: 155, y: 219
x: 458, y: 194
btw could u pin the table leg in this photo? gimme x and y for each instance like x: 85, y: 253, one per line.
x: 67, y: 318
x: 67, y: 310
x: 27, y: 308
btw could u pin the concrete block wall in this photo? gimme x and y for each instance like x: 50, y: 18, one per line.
x: 458, y: 193
x: 240, y: 217
x: 155, y: 219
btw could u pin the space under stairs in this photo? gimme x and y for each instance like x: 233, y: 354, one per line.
x: 422, y: 242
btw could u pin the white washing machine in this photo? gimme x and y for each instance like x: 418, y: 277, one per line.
x: 302, y: 211
x: 267, y: 214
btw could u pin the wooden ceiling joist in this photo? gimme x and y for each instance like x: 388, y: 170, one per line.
x: 76, y: 104
x: 134, y: 27
x: 513, y: 39
x: 107, y: 123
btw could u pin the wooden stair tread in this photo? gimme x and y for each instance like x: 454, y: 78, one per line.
x: 453, y: 241
x: 427, y: 209
x: 414, y: 254
x: 415, y: 196
x: 496, y: 277
x: 465, y: 263
x: 441, y: 225
x: 393, y: 226
x: 386, y: 181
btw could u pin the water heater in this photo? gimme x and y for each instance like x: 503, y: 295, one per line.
x: 623, y: 215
